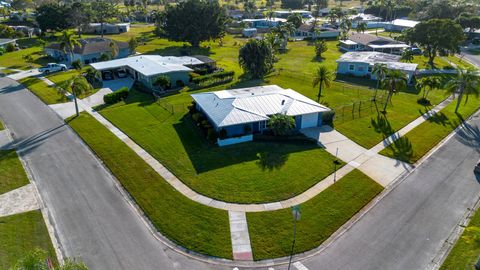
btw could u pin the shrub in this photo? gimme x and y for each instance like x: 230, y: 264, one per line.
x: 212, y: 135
x: 179, y: 83
x: 116, y: 96
x: 77, y: 64
x: 10, y: 47
x: 214, y: 78
x: 222, y: 134
x: 141, y: 87
x: 197, y: 117
x: 163, y: 82
x: 193, y: 75
x: 104, y: 57
x: 327, y: 118
x: 193, y: 108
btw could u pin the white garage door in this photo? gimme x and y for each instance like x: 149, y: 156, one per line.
x: 309, y: 120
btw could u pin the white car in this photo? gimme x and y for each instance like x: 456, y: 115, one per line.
x: 52, y: 67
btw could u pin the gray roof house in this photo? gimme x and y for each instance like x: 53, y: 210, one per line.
x: 89, y: 52
x: 241, y: 112
x: 361, y: 64
x: 108, y: 28
x: 368, y: 42
x: 305, y: 31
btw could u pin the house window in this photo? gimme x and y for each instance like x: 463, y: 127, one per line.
x: 369, y: 69
x: 360, y: 69
x: 262, y: 125
x: 351, y: 67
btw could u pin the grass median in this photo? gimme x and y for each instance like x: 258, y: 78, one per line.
x: 271, y: 233
x: 12, y: 175
x: 416, y: 143
x: 190, y: 224
x: 23, y: 233
x: 48, y: 94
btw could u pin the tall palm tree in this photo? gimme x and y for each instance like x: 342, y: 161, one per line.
x: 78, y: 85
x: 323, y: 78
x: 284, y: 31
x: 394, y: 81
x: 428, y: 84
x: 361, y: 27
x: 379, y: 71
x: 466, y: 83
x: 407, y: 56
x: 68, y: 42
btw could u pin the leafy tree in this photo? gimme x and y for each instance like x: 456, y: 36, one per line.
x: 7, y: 32
x: 281, y: 124
x: 361, y: 27
x: 320, y: 47
x: 323, y: 78
x: 292, y: 4
x: 77, y: 64
x: 466, y: 83
x: 163, y: 82
x: 393, y: 82
x: 335, y: 14
x: 256, y: 58
x: 407, y: 56
x: 79, y: 16
x: 295, y: 19
x: 52, y: 17
x: 133, y: 44
x: 469, y: 21
x: 428, y: 84
x: 21, y: 4
x: 442, y: 9
x: 194, y: 21
x: 319, y: 5
x: 102, y: 11
x: 68, y: 42
x: 250, y: 8
x: 436, y: 35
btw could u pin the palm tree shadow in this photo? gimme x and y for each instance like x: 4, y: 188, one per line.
x: 382, y: 125
x: 271, y: 160
x: 402, y: 149
x: 469, y: 135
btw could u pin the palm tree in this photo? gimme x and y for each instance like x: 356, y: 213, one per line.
x: 113, y: 49
x: 68, y: 42
x: 92, y: 75
x: 379, y: 71
x: 407, y: 56
x: 394, y: 81
x: 281, y: 124
x: 428, y: 84
x: 361, y: 27
x: 466, y: 82
x: 78, y: 85
x: 283, y: 31
x: 323, y: 78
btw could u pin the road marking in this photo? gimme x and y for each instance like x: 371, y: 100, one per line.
x: 300, y: 266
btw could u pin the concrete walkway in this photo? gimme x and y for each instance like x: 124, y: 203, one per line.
x: 24, y: 74
x: 18, y: 201
x: 240, y: 236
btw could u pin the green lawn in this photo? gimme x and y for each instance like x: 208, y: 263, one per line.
x: 46, y: 93
x: 464, y: 254
x: 416, y: 143
x: 12, y: 175
x: 190, y: 224
x: 14, y: 60
x: 61, y: 79
x: 234, y: 173
x: 461, y: 63
x: 438, y: 62
x: 23, y: 233
x: 2, y: 127
x: 271, y: 233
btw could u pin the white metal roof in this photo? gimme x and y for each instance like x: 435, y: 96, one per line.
x: 348, y: 42
x: 246, y: 105
x: 404, y: 23
x: 150, y: 64
x: 364, y: 17
x: 372, y: 58
x: 388, y: 46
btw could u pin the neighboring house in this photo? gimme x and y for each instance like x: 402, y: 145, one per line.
x: 361, y: 64
x: 235, y: 14
x: 90, y: 51
x: 264, y: 23
x: 285, y: 13
x: 368, y: 42
x: 305, y: 31
x: 26, y: 30
x: 5, y: 41
x: 399, y: 25
x: 371, y: 20
x: 108, y: 28
x: 249, y: 32
x: 241, y: 112
x: 146, y: 68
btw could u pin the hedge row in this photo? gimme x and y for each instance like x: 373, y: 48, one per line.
x: 116, y: 96
x: 214, y: 77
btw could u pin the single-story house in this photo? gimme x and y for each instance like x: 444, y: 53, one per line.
x: 5, y: 41
x: 399, y: 25
x: 235, y: 14
x: 361, y: 64
x: 241, y: 112
x: 368, y: 42
x: 26, y: 30
x: 285, y: 13
x: 249, y: 32
x: 264, y: 23
x: 146, y: 68
x: 371, y: 20
x: 108, y: 28
x: 90, y: 51
x: 305, y: 31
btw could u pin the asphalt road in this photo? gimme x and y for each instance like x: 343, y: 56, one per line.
x: 92, y: 219
x: 409, y: 226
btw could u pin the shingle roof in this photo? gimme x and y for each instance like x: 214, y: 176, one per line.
x: 246, y: 105
x: 91, y: 46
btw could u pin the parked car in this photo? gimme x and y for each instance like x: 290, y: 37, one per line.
x: 416, y: 51
x: 52, y: 67
x: 477, y: 167
x: 121, y: 73
x: 107, y: 75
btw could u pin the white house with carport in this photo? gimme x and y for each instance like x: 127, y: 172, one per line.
x: 146, y: 68
x: 361, y: 64
x: 368, y: 42
x: 242, y: 112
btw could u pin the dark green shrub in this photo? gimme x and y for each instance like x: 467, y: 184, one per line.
x: 77, y: 64
x: 180, y: 83
x: 116, y: 96
x: 163, y: 82
x: 10, y: 47
x: 327, y: 118
x: 212, y: 135
x: 222, y: 134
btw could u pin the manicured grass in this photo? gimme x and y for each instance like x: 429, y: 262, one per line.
x: 2, y: 127
x: 271, y: 233
x: 6, y: 72
x: 12, y: 175
x: 190, y: 224
x: 61, y: 79
x: 438, y: 62
x: 464, y: 254
x: 416, y: 143
x: 23, y: 233
x: 460, y: 62
x: 46, y: 93
x: 14, y: 60
x: 235, y: 173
